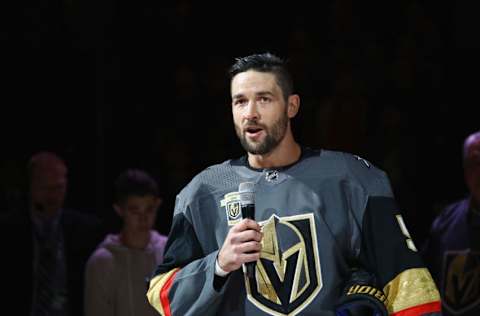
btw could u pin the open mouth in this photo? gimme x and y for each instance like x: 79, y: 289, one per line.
x: 253, y: 131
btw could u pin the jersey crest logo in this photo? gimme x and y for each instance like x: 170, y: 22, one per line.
x: 271, y: 175
x: 461, y: 274
x: 287, y: 275
x: 231, y: 202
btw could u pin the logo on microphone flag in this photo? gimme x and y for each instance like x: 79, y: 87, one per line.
x: 231, y: 202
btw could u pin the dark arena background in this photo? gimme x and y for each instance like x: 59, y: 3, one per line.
x: 111, y: 85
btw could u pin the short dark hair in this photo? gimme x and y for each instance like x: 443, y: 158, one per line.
x: 134, y: 182
x: 265, y: 62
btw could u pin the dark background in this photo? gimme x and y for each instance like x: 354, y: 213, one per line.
x: 111, y: 85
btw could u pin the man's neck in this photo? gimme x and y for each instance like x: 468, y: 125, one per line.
x: 39, y: 213
x: 283, y: 155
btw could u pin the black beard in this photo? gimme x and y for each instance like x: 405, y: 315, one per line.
x: 273, y: 138
x: 262, y: 148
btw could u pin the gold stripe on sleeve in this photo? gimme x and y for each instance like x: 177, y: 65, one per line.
x: 156, y: 285
x: 410, y: 288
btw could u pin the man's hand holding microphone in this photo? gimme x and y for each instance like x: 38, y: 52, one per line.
x: 243, y: 242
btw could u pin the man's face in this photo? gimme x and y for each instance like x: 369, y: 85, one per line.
x: 138, y: 212
x: 259, y: 111
x: 48, y: 188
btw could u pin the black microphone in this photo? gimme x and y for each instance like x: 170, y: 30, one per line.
x: 247, y: 203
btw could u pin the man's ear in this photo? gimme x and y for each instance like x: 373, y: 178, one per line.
x: 293, y: 105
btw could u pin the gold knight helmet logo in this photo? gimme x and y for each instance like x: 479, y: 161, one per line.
x: 461, y: 288
x: 231, y: 202
x: 287, y: 275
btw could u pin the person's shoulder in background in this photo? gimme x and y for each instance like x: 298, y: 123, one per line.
x: 81, y: 216
x: 82, y: 228
x: 450, y: 214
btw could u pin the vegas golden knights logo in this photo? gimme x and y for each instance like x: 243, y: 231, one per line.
x: 233, y: 209
x: 287, y: 275
x: 231, y: 202
x: 461, y: 274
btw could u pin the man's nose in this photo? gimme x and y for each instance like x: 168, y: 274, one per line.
x: 251, y: 111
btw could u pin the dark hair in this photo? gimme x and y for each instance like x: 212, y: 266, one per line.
x: 265, y: 62
x: 134, y: 182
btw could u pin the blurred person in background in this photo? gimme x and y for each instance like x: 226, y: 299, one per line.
x: 452, y: 250
x: 115, y: 277
x: 46, y: 245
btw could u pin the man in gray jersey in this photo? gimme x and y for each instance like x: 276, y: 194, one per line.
x: 318, y: 215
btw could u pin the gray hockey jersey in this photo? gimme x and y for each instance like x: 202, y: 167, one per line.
x: 322, y: 215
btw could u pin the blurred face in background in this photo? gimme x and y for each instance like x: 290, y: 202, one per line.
x: 138, y: 213
x: 472, y: 168
x: 48, y: 188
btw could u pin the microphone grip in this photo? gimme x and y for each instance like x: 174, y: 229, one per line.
x: 248, y: 211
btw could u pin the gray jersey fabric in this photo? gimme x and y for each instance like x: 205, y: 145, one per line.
x: 320, y: 216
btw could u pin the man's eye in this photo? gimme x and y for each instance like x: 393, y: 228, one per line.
x: 239, y: 102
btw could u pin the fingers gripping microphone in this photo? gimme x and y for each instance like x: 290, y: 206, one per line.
x: 247, y: 203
